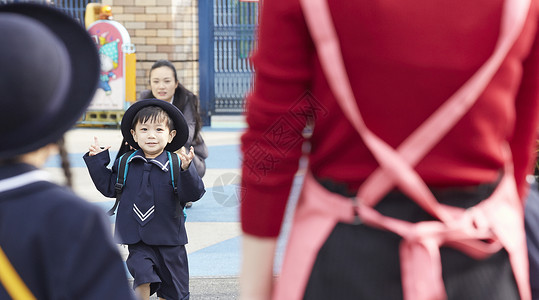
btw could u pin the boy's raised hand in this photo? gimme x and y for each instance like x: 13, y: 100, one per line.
x: 95, y: 148
x: 185, y: 157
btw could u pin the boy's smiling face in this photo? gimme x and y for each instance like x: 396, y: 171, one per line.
x: 153, y: 135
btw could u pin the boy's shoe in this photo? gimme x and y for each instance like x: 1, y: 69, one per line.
x: 188, y: 204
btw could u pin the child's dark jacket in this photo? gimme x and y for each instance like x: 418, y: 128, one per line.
x: 58, y: 243
x: 167, y: 226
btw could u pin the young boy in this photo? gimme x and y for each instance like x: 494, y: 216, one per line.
x: 149, y: 218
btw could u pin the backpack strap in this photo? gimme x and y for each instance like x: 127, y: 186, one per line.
x: 175, y: 169
x: 120, y: 181
x: 12, y: 282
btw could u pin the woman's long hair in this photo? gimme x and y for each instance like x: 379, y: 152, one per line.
x: 181, y: 102
x: 65, y: 162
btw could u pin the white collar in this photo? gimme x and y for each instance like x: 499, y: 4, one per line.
x: 14, y: 182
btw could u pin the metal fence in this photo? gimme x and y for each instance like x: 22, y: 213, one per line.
x: 227, y: 31
x: 234, y: 39
x: 74, y: 8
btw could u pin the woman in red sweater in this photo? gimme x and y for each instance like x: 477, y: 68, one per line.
x: 403, y: 59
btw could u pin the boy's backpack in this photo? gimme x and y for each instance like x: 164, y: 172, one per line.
x: 122, y: 175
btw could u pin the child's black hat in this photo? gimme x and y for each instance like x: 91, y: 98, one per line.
x: 49, y: 70
x: 180, y: 125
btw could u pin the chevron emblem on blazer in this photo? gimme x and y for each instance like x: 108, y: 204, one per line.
x: 143, y: 216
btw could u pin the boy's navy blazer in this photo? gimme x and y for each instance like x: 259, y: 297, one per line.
x: 167, y: 226
x: 58, y: 243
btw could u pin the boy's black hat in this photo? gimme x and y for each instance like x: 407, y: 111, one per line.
x: 180, y: 125
x: 49, y: 70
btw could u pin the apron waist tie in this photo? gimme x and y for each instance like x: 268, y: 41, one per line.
x: 421, y: 267
x: 476, y: 231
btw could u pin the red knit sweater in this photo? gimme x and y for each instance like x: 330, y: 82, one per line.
x: 403, y: 58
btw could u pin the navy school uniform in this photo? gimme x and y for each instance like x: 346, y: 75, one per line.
x: 159, y: 224
x: 166, y: 227
x: 58, y: 243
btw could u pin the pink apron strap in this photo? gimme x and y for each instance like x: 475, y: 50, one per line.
x: 311, y: 227
x: 425, y: 137
x: 396, y: 166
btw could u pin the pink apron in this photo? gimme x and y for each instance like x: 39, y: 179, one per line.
x: 498, y: 219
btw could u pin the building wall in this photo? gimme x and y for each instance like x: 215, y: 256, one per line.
x: 162, y: 29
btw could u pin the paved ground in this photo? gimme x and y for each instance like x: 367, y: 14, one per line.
x: 214, y: 288
x: 212, y: 223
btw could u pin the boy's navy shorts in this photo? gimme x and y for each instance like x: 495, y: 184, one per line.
x: 164, y: 267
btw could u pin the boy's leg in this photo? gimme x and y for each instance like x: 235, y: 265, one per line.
x: 174, y: 273
x: 143, y: 291
x: 141, y: 263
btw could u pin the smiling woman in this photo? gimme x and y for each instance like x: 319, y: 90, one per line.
x: 163, y: 83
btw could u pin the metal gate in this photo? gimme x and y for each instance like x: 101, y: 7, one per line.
x: 227, y: 38
x: 74, y: 8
